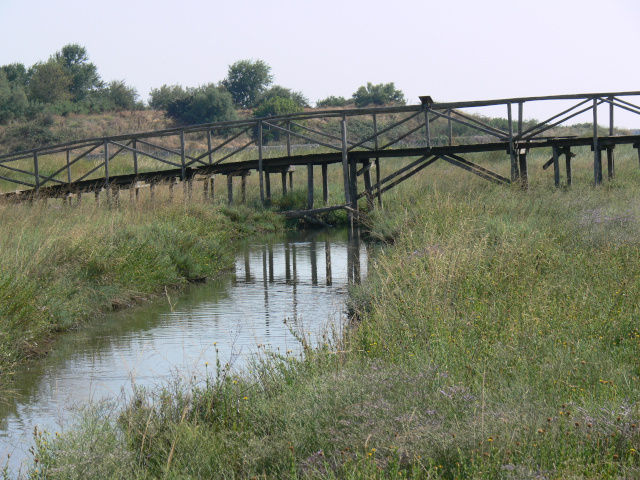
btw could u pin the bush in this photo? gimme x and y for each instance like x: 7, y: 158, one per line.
x: 273, y: 107
x: 160, y: 98
x: 205, y: 104
x: 283, y: 92
x: 382, y: 94
x: 333, y: 102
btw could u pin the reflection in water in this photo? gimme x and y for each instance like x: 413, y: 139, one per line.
x: 274, y: 280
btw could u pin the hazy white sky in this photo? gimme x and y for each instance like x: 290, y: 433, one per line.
x: 451, y: 50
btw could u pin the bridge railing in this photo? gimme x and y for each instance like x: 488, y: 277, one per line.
x: 343, y: 132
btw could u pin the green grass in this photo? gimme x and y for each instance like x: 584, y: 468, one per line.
x: 497, y: 338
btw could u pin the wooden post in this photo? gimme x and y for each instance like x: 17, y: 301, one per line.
x: 310, y: 186
x: 375, y: 131
x: 135, y: 156
x: 209, y: 146
x: 284, y: 182
x: 449, y: 127
x: 610, y: 155
x: 230, y: 189
x: 520, y: 119
x: 325, y: 184
x: 212, y: 183
x: 524, y: 173
x: 206, y: 188
x: 567, y: 159
x: 260, y: 172
x: 288, y: 138
x: 428, y: 127
x: 172, y: 182
x: 36, y: 171
x: 345, y: 161
x: 106, y: 172
x: 243, y: 186
x: 512, y: 153
x: 291, y: 180
x: 68, y: 167
x: 152, y: 191
x: 597, y: 161
x: 637, y: 147
x: 267, y: 181
x: 367, y: 184
x: 183, y: 158
x: 353, y: 176
x: 556, y: 166
x: 97, y: 197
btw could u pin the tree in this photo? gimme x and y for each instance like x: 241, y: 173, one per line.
x: 121, y: 95
x: 246, y: 80
x: 272, y: 107
x: 85, y: 80
x: 16, y: 74
x: 382, y: 94
x: 13, y: 100
x: 205, y: 104
x: 283, y: 92
x: 160, y: 98
x: 49, y: 83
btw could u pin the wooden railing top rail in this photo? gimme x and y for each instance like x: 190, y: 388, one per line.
x: 505, y: 101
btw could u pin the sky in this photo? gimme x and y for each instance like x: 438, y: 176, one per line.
x: 452, y: 50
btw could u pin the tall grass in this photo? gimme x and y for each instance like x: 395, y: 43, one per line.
x: 497, y: 338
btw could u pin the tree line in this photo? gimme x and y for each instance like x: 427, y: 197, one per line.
x: 68, y: 82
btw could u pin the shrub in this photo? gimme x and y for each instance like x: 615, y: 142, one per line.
x: 333, y: 102
x: 205, y: 104
x: 246, y: 80
x: 382, y: 94
x: 273, y: 107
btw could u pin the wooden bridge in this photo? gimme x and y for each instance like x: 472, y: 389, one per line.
x: 356, y: 140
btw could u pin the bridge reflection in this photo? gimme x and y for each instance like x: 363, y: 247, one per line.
x: 309, y: 266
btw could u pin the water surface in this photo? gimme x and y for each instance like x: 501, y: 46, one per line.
x: 300, y: 277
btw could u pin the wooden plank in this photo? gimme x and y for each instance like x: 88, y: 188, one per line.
x: 567, y: 159
x: 550, y: 119
x: 384, y: 130
x: 304, y: 137
x: 230, y: 189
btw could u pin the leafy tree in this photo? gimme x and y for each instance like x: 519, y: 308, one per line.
x: 246, y: 80
x: 13, y: 100
x: 84, y: 75
x: 160, y: 98
x: 283, y: 92
x: 49, y: 83
x: 121, y: 95
x: 272, y: 107
x: 333, y: 102
x: 16, y: 73
x: 382, y: 94
x: 205, y: 104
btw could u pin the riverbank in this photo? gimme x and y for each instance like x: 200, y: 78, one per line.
x: 498, y: 338
x: 62, y: 266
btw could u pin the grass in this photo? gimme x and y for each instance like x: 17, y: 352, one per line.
x: 496, y: 338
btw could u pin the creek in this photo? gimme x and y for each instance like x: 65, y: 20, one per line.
x: 295, y: 282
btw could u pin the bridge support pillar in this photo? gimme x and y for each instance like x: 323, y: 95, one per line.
x: 325, y: 184
x: 230, y: 189
x: 556, y: 166
x: 637, y: 147
x: 353, y: 184
x: 610, y: 162
x: 367, y: 184
x: 567, y: 158
x: 267, y: 184
x: 310, y: 186
x: 524, y: 172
